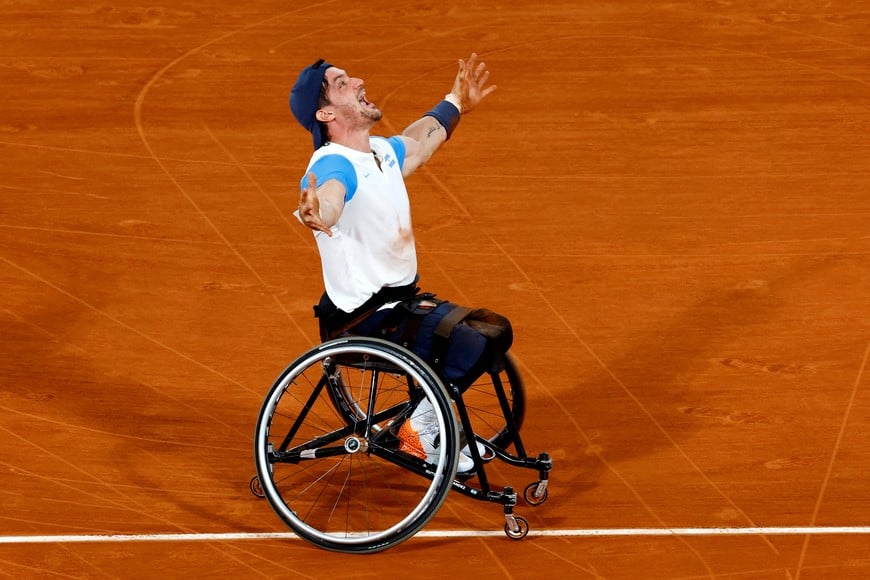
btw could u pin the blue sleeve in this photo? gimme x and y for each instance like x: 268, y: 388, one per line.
x: 334, y: 167
x: 399, y: 147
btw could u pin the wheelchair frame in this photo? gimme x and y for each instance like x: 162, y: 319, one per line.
x: 329, y: 424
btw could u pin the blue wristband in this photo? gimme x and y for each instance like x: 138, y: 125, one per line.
x: 447, y: 114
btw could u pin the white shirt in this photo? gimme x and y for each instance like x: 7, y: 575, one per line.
x: 372, y: 243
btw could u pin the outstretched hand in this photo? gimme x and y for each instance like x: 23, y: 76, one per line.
x: 309, y: 207
x: 470, y: 83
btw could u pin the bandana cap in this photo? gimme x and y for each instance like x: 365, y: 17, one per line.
x: 305, y: 98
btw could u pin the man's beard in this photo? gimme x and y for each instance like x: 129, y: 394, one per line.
x: 374, y: 115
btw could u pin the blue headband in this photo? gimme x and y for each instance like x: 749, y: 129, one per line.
x: 305, y: 98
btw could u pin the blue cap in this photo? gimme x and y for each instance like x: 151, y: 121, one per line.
x: 305, y: 98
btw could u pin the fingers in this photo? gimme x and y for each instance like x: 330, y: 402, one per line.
x: 311, y: 218
x: 308, y: 192
x: 474, y: 71
x: 471, y: 82
x: 309, y: 207
x: 318, y: 225
x: 470, y: 69
x: 308, y: 197
x: 475, y: 68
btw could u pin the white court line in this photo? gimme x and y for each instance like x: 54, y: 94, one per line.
x: 599, y: 533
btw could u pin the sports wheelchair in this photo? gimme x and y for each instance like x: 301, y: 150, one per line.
x: 327, y: 451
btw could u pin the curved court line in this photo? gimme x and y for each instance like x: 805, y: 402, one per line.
x: 137, y: 118
x: 137, y: 115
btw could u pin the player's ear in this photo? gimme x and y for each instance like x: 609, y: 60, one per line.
x: 323, y: 115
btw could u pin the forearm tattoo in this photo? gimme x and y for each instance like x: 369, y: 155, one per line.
x: 433, y: 128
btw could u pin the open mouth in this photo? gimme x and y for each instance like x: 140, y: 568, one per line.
x: 365, y: 102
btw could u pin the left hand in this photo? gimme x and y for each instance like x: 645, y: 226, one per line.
x: 470, y: 83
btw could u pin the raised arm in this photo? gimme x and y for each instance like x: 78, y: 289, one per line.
x: 424, y: 136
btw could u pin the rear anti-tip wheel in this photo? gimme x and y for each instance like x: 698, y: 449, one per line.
x: 257, y: 487
x: 516, y: 528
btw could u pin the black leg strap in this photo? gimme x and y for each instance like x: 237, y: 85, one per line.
x: 443, y: 331
x: 456, y: 315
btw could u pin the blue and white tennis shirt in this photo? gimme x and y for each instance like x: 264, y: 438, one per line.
x: 372, y: 244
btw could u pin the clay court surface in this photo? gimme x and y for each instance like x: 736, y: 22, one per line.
x: 671, y: 201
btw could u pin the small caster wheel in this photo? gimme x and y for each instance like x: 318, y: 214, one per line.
x: 257, y: 487
x: 536, y: 493
x: 520, y: 528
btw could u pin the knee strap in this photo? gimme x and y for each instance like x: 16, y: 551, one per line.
x: 451, y: 319
x: 443, y: 331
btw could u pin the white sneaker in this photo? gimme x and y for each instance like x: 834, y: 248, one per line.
x: 485, y: 454
x: 418, y: 436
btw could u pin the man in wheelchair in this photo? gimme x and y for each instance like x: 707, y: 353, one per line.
x: 353, y: 197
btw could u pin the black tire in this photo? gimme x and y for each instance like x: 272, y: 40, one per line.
x: 327, y: 454
x: 484, y: 410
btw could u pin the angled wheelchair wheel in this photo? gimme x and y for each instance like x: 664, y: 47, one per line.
x: 328, y: 452
x: 484, y: 407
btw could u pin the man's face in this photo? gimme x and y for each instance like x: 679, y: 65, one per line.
x: 347, y: 97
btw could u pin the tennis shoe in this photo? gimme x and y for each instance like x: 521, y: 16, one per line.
x: 419, y: 436
x: 485, y: 454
